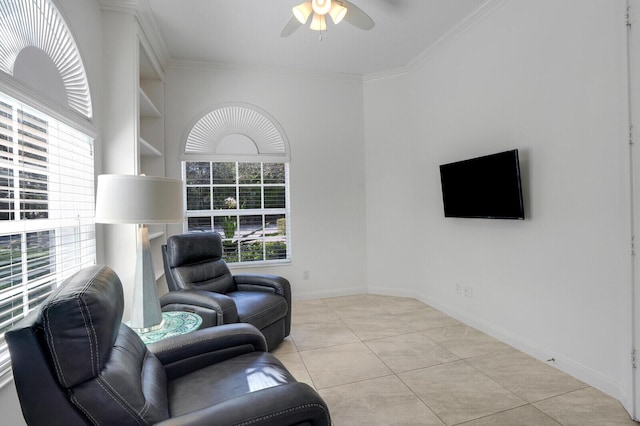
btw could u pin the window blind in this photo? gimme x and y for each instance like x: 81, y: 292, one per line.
x: 246, y: 203
x: 46, y: 210
x: 38, y: 23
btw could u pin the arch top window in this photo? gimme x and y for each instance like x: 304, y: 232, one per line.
x: 39, y: 24
x: 239, y: 132
x: 236, y: 174
x: 47, y: 229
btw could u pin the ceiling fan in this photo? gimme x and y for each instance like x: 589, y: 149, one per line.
x: 317, y: 10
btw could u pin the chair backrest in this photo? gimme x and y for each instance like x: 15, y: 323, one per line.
x: 74, y: 362
x: 193, y: 261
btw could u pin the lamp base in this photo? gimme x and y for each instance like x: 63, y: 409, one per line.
x: 146, y: 313
x: 148, y: 329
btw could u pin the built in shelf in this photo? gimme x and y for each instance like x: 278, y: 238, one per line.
x: 147, y: 107
x: 148, y: 150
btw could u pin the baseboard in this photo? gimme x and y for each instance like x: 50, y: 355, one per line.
x: 311, y: 295
x: 397, y: 292
x: 564, y: 364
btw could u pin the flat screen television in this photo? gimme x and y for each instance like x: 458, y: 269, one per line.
x: 487, y: 187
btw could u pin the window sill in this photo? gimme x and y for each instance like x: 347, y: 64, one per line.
x: 263, y: 264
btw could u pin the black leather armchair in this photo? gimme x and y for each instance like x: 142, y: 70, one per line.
x: 75, y: 363
x: 199, y: 281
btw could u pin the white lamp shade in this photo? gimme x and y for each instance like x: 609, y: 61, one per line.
x: 318, y: 23
x: 302, y: 11
x: 337, y: 12
x: 139, y: 199
x: 321, y: 7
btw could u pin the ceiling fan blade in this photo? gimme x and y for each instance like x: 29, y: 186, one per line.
x: 355, y: 16
x: 290, y: 27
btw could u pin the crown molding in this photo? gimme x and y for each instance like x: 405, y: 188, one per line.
x: 260, y: 69
x: 469, y: 22
x: 142, y: 10
x: 144, y: 15
x: 128, y: 6
x: 152, y: 31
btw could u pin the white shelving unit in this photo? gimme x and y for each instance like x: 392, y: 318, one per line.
x: 151, y: 142
x: 132, y: 128
x: 147, y: 107
x: 148, y: 150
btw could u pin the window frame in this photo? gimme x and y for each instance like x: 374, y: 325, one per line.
x: 59, y: 226
x: 238, y: 212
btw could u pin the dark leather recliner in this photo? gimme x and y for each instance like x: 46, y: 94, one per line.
x: 199, y: 281
x: 75, y: 363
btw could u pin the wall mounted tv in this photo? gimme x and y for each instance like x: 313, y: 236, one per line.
x: 486, y: 187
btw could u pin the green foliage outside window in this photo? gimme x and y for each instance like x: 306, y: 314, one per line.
x: 244, y: 202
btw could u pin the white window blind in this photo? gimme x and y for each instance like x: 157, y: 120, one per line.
x: 246, y: 203
x: 46, y: 210
x: 38, y: 23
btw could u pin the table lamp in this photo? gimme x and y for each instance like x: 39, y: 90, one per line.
x: 141, y: 200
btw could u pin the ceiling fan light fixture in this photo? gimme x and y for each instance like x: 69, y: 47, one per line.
x: 302, y: 11
x: 318, y: 23
x: 314, y: 13
x: 321, y: 7
x: 337, y: 12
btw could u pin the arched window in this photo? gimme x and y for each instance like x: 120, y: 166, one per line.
x: 47, y: 227
x: 236, y: 171
x: 237, y: 131
x: 38, y: 23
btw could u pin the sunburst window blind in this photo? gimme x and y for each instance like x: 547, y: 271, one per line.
x: 38, y: 23
x: 47, y: 228
x: 247, y: 203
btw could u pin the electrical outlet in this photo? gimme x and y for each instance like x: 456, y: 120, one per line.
x: 306, y: 275
x: 458, y: 288
x: 468, y: 292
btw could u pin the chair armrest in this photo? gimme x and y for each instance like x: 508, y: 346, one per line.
x: 188, y: 352
x: 265, y: 282
x: 248, y: 282
x: 202, y: 303
x: 288, y: 404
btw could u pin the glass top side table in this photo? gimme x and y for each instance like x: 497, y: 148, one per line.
x: 174, y: 323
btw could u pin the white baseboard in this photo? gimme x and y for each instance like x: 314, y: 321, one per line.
x: 311, y: 295
x: 567, y: 365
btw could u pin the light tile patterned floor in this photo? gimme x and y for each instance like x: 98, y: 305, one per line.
x: 381, y: 360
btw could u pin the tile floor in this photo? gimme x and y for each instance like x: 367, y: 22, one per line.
x: 380, y: 360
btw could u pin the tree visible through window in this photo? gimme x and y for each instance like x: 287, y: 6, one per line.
x: 246, y: 203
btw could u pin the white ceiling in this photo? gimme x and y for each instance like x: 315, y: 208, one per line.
x: 247, y: 32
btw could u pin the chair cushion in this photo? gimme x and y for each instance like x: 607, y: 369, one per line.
x: 194, y: 247
x: 234, y: 377
x: 81, y: 320
x: 259, y: 308
x: 207, y: 276
x: 110, y: 374
x: 195, y: 263
x: 130, y: 390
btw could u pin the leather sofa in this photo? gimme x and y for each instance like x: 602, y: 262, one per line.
x: 75, y: 363
x: 199, y: 281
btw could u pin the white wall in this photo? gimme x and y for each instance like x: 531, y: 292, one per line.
x: 546, y: 77
x: 322, y: 117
